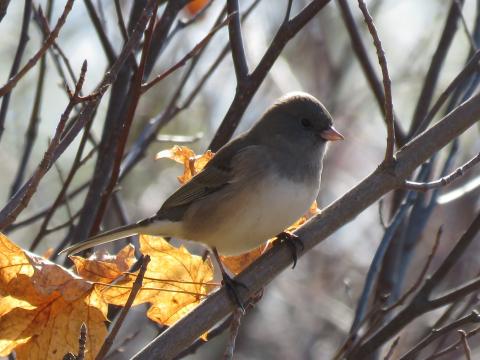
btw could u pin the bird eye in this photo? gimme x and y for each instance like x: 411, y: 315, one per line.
x: 306, y: 123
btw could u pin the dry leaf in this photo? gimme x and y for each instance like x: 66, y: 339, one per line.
x: 106, y: 268
x: 175, y: 281
x: 192, y: 164
x: 43, y: 307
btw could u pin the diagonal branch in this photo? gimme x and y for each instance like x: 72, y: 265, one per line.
x: 387, y: 84
x: 277, y: 259
x: 12, y: 82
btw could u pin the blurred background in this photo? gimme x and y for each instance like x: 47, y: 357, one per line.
x: 306, y: 312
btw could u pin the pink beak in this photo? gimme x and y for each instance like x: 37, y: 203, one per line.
x: 331, y: 134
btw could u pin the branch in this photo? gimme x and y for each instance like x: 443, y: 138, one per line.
x: 444, y: 181
x: 12, y: 82
x: 21, y: 198
x: 387, y: 84
x: 136, y: 287
x: 22, y: 44
x: 436, y: 65
x: 421, y: 303
x: 192, y: 53
x: 274, y: 261
x: 474, y: 316
x: 236, y: 42
x: 367, y: 67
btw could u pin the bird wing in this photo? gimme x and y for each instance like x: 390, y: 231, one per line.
x: 217, y: 174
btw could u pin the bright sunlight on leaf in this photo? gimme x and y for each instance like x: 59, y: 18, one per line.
x: 175, y: 281
x: 43, y: 306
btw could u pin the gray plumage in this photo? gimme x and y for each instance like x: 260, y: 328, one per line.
x: 254, y: 187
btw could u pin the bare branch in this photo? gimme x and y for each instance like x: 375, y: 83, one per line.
x: 444, y: 181
x: 136, y: 287
x: 473, y: 317
x: 12, y: 82
x: 236, y: 41
x: 192, y: 53
x: 387, y: 84
x: 277, y: 259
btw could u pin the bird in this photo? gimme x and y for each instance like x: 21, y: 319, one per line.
x: 254, y: 187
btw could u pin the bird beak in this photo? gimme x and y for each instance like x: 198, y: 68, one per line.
x: 331, y: 134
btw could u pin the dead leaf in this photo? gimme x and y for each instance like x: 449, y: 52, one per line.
x: 192, y: 164
x: 105, y: 268
x: 175, y: 281
x: 43, y: 307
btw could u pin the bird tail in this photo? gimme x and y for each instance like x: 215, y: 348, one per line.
x: 105, y: 237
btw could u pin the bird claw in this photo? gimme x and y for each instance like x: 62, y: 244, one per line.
x: 232, y: 285
x: 293, y: 242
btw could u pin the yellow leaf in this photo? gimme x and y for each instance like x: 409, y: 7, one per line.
x: 174, y: 283
x: 106, y: 268
x: 43, y: 307
x: 192, y: 164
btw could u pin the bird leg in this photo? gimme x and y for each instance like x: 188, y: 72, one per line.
x: 230, y: 283
x: 293, y: 242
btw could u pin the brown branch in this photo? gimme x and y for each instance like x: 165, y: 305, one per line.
x: 48, y: 158
x: 22, y: 44
x: 436, y: 65
x: 444, y: 181
x: 97, y: 24
x: 387, y: 84
x: 464, y: 76
x: 136, y: 287
x: 453, y: 346
x: 473, y: 317
x: 21, y: 198
x: 234, y: 327
x: 466, y: 347
x: 12, y: 82
x: 192, y: 53
x: 367, y: 67
x: 236, y: 42
x: 133, y: 98
x: 121, y: 22
x: 274, y: 261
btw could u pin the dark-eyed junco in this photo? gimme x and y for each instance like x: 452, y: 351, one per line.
x: 256, y: 185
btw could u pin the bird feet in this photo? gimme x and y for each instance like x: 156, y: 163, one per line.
x: 232, y: 286
x: 293, y: 242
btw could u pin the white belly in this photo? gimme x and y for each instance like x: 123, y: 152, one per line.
x: 267, y: 210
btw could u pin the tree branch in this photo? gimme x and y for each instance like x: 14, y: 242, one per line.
x: 277, y: 259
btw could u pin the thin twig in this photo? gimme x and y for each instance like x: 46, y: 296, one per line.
x: 473, y: 317
x: 367, y: 67
x: 453, y: 346
x: 22, y: 44
x: 12, y: 82
x: 136, y: 287
x: 192, y: 53
x: 444, y: 181
x: 387, y: 84
x: 121, y: 22
x: 234, y: 327
x: 466, y: 347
